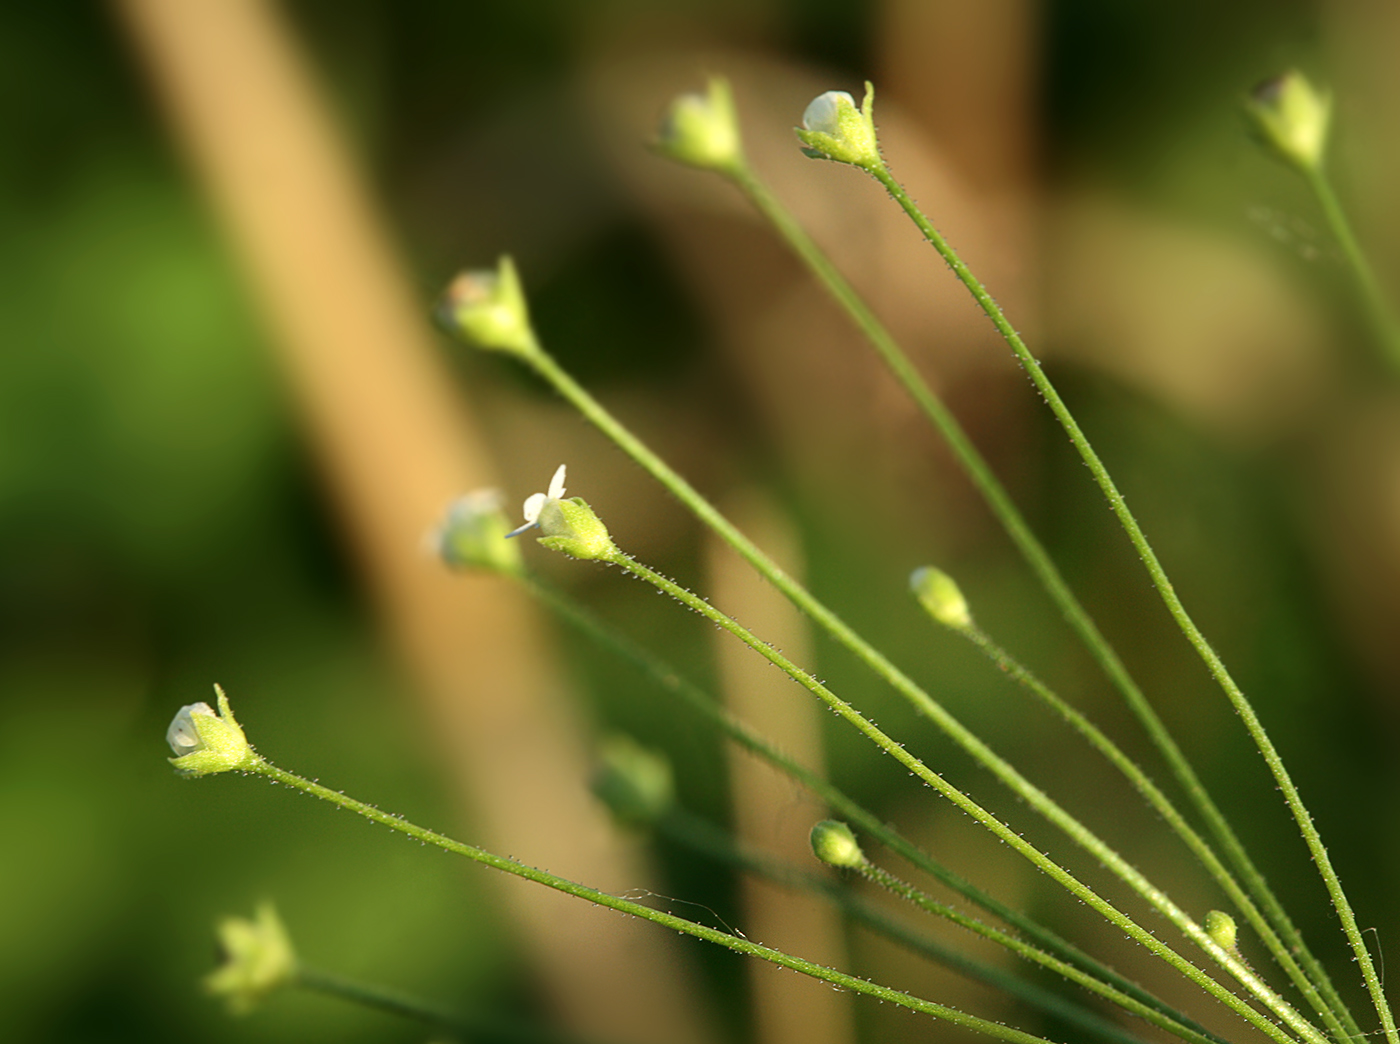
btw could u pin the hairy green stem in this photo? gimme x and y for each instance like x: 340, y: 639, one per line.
x: 1033, y: 551
x: 699, y: 835
x: 266, y: 769
x: 1374, y: 303
x: 1042, y: 803
x: 664, y: 675
x: 1166, y: 809
x: 1173, y: 602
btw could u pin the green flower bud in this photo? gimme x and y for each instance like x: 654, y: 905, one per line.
x: 833, y: 128
x: 473, y: 535
x: 635, y: 783
x: 258, y: 958
x: 1220, y: 926
x: 206, y: 742
x: 941, y: 597
x: 1292, y: 117
x: 834, y: 844
x: 702, y: 130
x: 488, y: 309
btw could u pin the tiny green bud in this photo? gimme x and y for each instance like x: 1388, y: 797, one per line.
x: 206, y: 742
x: 258, y: 958
x: 941, y: 597
x: 834, y: 844
x: 833, y: 128
x: 569, y: 526
x: 473, y: 533
x: 702, y: 130
x: 1220, y: 926
x: 635, y: 783
x: 1292, y: 117
x: 488, y: 309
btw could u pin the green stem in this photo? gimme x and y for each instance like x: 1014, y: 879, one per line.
x: 266, y: 769
x: 1373, y: 301
x: 1167, y: 810
x: 1173, y: 602
x: 701, y: 836
x: 1042, y: 803
x: 664, y: 675
x: 393, y: 1002
x: 1033, y: 551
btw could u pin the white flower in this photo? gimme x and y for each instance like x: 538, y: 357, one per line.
x: 182, y: 735
x: 536, y: 502
x: 824, y: 111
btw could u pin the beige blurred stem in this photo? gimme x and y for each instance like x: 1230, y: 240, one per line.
x: 771, y: 814
x: 396, y: 445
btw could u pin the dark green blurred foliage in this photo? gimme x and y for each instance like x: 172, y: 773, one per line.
x: 162, y: 528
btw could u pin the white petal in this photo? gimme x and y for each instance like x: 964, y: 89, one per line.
x: 182, y: 735
x: 821, y: 114
x: 556, y: 484
x: 533, y: 503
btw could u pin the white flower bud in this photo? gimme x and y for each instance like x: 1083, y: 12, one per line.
x: 702, y: 130
x: 205, y: 741
x: 833, y: 128
x: 488, y: 309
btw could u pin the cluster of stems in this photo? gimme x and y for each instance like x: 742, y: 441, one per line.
x: 491, y: 310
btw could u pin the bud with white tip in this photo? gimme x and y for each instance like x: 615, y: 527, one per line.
x: 205, y: 741
x: 473, y: 534
x: 941, y: 597
x: 834, y: 844
x: 487, y: 307
x: 833, y: 128
x: 702, y: 130
x: 1293, y: 117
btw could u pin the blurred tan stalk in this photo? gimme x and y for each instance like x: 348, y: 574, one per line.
x: 771, y: 813
x: 396, y: 445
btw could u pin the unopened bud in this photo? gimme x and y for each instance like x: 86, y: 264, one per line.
x: 473, y: 533
x: 487, y: 307
x: 206, y: 741
x: 833, y: 128
x: 1220, y: 926
x: 635, y: 783
x: 941, y: 597
x: 702, y: 130
x: 1292, y: 117
x: 834, y: 844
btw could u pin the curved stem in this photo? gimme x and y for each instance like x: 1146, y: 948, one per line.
x: 1033, y: 551
x: 664, y: 675
x: 698, y: 835
x: 1173, y: 602
x: 1042, y: 803
x: 562, y: 884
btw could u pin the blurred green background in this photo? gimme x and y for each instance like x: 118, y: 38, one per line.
x: 163, y: 525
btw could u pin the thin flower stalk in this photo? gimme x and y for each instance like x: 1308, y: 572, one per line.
x: 664, y: 675
x: 1374, y: 303
x: 999, y: 501
x: 1043, y: 804
x: 697, y: 834
x: 1165, y: 808
x: 1172, y: 600
x: 267, y: 770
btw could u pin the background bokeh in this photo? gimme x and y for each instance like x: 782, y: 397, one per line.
x: 166, y: 520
